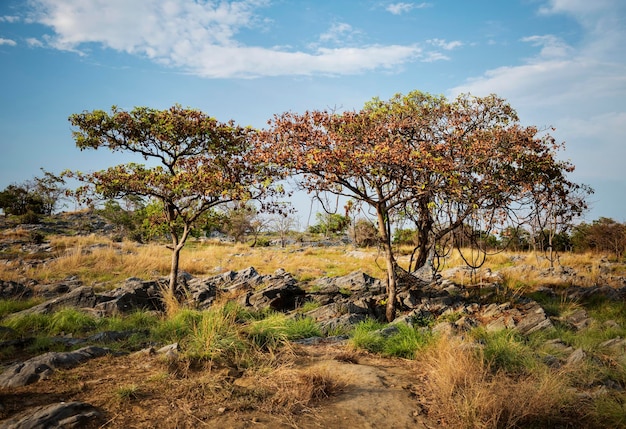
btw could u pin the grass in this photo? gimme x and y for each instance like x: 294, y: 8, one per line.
x: 470, y: 394
x: 404, y: 341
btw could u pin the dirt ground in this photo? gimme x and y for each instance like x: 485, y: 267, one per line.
x: 141, y: 391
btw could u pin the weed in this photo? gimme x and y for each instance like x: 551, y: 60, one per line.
x: 127, y: 393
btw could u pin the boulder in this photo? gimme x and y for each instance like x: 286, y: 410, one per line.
x: 281, y: 293
x: 81, y: 297
x: 41, y: 367
x: 533, y: 318
x: 62, y: 415
x: 135, y: 294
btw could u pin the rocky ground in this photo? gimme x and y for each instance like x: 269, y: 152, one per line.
x: 80, y: 388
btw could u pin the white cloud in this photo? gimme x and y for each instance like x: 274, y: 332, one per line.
x: 443, y: 44
x: 339, y: 32
x: 578, y: 89
x: 200, y: 37
x: 34, y: 43
x: 9, y: 18
x: 400, y: 8
x: 7, y: 42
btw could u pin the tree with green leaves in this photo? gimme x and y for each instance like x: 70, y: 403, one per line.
x: 200, y: 162
x: 442, y: 163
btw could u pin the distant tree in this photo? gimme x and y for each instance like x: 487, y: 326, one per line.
x: 441, y: 163
x: 283, y: 225
x: 202, y: 163
x: 330, y: 223
x: 602, y: 235
x: 364, y: 233
x: 50, y: 188
x: 19, y: 201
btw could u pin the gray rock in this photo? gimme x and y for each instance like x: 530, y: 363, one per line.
x: 577, y: 356
x: 281, y: 293
x: 533, y: 319
x: 61, y: 415
x: 578, y: 319
x: 40, y: 367
x: 80, y: 297
x: 12, y: 290
x: 133, y: 295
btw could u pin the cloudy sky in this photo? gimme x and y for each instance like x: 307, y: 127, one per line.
x: 560, y: 63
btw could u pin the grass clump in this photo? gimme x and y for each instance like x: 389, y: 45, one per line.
x: 10, y: 306
x: 505, y: 350
x: 399, y: 340
x: 470, y: 394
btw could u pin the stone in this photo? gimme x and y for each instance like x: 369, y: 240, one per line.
x: 533, y: 319
x: 578, y: 319
x: 41, y: 367
x: 133, y: 295
x: 13, y: 290
x: 62, y: 415
x: 81, y: 297
x: 577, y: 356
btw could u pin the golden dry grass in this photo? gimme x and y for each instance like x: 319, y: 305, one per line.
x: 469, y: 395
x: 96, y: 259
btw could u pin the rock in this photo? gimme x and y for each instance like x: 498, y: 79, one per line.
x: 576, y: 357
x: 533, y: 319
x: 356, y: 282
x: 61, y: 415
x: 42, y: 366
x: 281, y: 293
x: 80, y: 297
x: 13, y: 290
x: 135, y: 294
x: 578, y: 319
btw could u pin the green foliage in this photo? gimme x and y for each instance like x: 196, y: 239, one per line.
x: 330, y: 223
x: 405, y: 236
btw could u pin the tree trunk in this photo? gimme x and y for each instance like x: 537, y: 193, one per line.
x: 383, y: 230
x: 174, y: 269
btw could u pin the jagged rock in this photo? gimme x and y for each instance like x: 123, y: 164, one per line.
x: 82, y: 297
x: 62, y: 415
x: 135, y: 294
x: 281, y: 293
x: 43, y: 366
x: 578, y: 319
x: 341, y: 323
x: 533, y: 319
x: 12, y: 290
x: 357, y: 283
x: 577, y: 356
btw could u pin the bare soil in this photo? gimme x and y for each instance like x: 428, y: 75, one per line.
x: 142, y: 391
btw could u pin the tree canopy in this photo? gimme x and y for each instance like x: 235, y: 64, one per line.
x: 441, y: 163
x: 200, y: 163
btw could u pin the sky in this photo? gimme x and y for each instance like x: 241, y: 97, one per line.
x: 559, y: 63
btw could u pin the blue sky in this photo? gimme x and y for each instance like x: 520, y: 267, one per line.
x: 560, y: 63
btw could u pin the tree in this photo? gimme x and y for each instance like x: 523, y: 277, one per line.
x: 202, y: 163
x: 18, y: 200
x: 602, y: 235
x: 364, y: 233
x: 282, y: 225
x: 440, y: 163
x: 330, y: 223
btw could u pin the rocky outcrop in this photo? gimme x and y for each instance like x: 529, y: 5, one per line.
x: 40, y: 367
x: 62, y: 415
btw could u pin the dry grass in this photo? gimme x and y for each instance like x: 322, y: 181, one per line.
x: 95, y: 259
x: 295, y: 390
x: 468, y: 394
